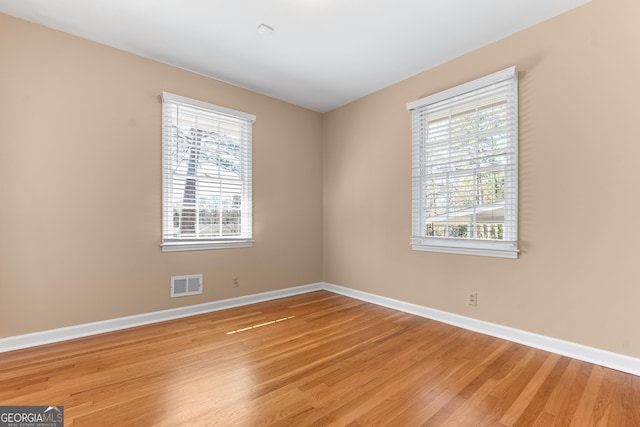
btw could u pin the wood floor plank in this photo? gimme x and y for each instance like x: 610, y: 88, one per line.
x: 565, y: 397
x: 316, y: 359
x: 514, y: 412
x: 536, y: 406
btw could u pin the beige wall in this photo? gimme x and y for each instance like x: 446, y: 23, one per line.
x: 80, y: 197
x: 578, y: 276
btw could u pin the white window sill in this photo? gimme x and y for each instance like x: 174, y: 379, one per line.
x: 199, y: 246
x: 462, y: 247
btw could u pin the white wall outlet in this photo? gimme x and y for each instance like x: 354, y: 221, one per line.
x: 472, y: 298
x: 235, y: 282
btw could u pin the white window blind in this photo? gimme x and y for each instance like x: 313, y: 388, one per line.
x: 465, y: 168
x: 206, y: 175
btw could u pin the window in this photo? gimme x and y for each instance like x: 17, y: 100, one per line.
x: 206, y: 175
x: 465, y: 168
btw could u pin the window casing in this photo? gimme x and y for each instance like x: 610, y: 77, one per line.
x: 465, y: 168
x: 206, y: 175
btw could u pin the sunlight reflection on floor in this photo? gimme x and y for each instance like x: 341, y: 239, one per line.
x: 260, y: 325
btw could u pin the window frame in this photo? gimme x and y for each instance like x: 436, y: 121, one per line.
x: 220, y: 114
x: 504, y: 248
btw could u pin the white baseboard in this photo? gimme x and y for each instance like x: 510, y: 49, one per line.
x: 87, y: 329
x: 597, y: 356
x: 619, y: 362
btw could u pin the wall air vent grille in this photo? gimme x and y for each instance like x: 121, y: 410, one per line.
x: 186, y: 285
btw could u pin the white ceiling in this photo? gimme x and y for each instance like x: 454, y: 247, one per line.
x: 322, y: 54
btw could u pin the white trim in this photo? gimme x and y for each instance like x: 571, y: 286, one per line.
x: 481, y: 247
x: 200, y: 246
x: 207, y: 106
x: 597, y: 356
x: 617, y: 361
x: 56, y: 335
x: 507, y: 73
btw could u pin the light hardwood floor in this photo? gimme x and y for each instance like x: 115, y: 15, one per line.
x: 314, y: 359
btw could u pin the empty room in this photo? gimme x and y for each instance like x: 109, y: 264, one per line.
x: 312, y: 212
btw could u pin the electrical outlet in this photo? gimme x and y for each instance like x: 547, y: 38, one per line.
x: 235, y: 282
x: 472, y: 298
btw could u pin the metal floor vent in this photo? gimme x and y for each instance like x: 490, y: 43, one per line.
x: 186, y: 285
